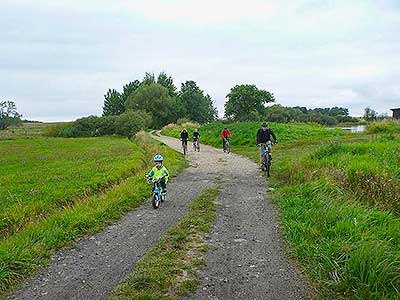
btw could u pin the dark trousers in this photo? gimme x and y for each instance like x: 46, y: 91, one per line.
x: 223, y: 142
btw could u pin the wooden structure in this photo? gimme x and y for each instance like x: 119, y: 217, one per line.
x: 396, y: 113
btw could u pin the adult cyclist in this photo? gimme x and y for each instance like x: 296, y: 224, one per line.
x: 196, y: 137
x: 184, y: 137
x: 226, y: 134
x: 263, y: 137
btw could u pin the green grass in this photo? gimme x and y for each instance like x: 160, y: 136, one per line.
x: 25, y: 250
x: 43, y: 175
x: 168, y: 271
x: 338, y: 197
x: 244, y: 134
x: 386, y: 126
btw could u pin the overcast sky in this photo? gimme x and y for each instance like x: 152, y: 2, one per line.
x: 58, y: 58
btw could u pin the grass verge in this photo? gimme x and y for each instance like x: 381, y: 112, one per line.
x: 24, y: 252
x: 168, y: 271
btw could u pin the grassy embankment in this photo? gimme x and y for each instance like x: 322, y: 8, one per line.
x: 169, y: 270
x: 339, y: 201
x: 24, y: 130
x: 54, y: 190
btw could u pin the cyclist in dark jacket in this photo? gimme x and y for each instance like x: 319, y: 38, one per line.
x: 196, y: 135
x: 184, y: 136
x: 263, y: 137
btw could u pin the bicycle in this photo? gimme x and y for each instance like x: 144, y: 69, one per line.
x: 227, y: 147
x: 196, y: 145
x: 266, y: 158
x: 158, y: 192
x: 184, y: 147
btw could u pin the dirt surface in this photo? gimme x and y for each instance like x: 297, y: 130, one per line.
x: 245, y: 260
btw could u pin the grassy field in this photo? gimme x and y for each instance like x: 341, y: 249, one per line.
x: 40, y: 176
x: 338, y: 197
x: 54, y: 190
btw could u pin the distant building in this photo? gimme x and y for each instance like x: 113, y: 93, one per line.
x: 396, y: 113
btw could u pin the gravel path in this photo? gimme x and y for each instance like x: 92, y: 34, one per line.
x: 245, y: 261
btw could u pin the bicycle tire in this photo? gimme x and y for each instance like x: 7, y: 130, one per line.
x: 155, y: 202
x: 268, y: 167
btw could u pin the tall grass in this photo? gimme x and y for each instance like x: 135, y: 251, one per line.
x: 339, y: 204
x: 386, y: 126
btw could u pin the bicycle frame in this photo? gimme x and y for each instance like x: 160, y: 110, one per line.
x: 267, y: 157
x: 157, y: 191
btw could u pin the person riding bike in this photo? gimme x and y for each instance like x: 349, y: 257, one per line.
x: 263, y: 137
x: 159, y: 171
x: 196, y: 136
x: 226, y: 134
x: 184, y: 136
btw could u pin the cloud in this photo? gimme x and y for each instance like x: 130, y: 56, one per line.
x: 57, y: 58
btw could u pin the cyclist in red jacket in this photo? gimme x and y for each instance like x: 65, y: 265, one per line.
x: 226, y: 134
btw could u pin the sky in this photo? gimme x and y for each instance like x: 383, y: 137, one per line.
x: 58, y: 58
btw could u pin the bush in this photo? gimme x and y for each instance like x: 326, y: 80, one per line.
x: 131, y: 122
x: 59, y: 130
x: 126, y: 124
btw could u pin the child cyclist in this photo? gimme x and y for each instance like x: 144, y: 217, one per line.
x: 159, y: 171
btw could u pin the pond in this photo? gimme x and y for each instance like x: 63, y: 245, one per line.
x: 354, y: 129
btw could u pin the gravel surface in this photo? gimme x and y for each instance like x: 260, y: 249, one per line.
x: 245, y: 260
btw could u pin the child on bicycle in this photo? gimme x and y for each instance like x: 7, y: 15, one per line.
x: 159, y: 171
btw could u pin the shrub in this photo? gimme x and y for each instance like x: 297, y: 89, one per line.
x: 386, y: 126
x: 58, y: 129
x: 126, y: 124
x: 131, y: 122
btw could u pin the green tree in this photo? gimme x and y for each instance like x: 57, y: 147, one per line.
x: 193, y: 104
x: 167, y: 82
x: 370, y: 114
x: 129, y: 89
x: 113, y: 103
x: 246, y: 101
x: 154, y: 99
x: 8, y: 114
x: 148, y: 79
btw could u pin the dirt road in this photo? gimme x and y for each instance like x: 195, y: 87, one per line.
x: 245, y: 261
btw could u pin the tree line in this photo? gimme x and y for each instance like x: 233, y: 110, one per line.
x: 155, y: 101
x: 159, y: 97
x: 152, y: 102
x: 248, y: 103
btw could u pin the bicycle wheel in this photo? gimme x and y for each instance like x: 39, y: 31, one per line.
x: 268, y: 166
x: 184, y: 148
x: 155, y: 202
